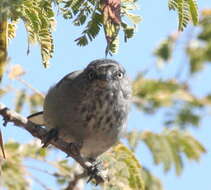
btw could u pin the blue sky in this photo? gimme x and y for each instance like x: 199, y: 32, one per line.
x: 135, y: 55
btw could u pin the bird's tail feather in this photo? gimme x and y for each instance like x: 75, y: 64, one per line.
x: 37, y: 118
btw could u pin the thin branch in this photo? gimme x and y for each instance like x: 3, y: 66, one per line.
x: 39, y: 182
x: 75, y: 183
x: 29, y: 86
x: 40, y: 132
x: 40, y: 170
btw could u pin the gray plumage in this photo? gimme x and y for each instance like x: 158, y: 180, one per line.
x: 90, y: 106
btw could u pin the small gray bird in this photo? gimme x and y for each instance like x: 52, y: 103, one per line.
x: 88, y: 107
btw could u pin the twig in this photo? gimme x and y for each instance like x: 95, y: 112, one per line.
x: 77, y: 182
x: 39, y: 132
x: 1, y: 145
x: 73, y: 185
x: 40, y: 170
x: 30, y: 86
x: 39, y: 182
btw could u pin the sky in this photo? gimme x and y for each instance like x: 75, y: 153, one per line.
x: 135, y: 56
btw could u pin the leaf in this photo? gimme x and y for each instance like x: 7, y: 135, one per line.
x: 12, y: 30
x: 91, y: 31
x: 134, y: 18
x: 13, y: 173
x: 38, y: 18
x: 164, y: 50
x: 16, y: 71
x: 124, y: 169
x: 47, y: 47
x: 183, y: 14
x: 95, y: 14
x: 172, y: 4
x: 170, y: 147
x: 187, y: 11
x: 111, y: 11
x: 20, y: 100
x: 35, y: 102
x: 3, y: 44
x: 194, y: 11
x: 151, y: 182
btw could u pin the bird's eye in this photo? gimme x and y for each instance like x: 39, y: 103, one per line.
x: 120, y: 75
x: 91, y: 75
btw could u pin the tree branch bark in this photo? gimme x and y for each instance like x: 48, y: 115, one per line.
x: 40, y: 132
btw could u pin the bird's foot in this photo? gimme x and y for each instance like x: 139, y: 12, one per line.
x: 95, y: 171
x: 52, y: 134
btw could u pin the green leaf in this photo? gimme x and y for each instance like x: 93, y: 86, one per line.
x: 134, y: 18
x: 124, y: 169
x: 172, y: 4
x: 20, y: 100
x: 13, y: 175
x: 194, y: 11
x: 187, y: 11
x: 38, y: 17
x: 151, y: 182
x: 170, y: 147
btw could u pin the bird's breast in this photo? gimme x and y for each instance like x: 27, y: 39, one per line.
x: 105, y: 110
x: 104, y: 116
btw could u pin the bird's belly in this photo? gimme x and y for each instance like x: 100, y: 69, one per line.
x: 97, y: 144
x: 103, y: 129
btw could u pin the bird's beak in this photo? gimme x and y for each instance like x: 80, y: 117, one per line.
x: 104, y: 77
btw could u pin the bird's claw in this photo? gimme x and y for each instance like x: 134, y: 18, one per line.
x: 95, y: 172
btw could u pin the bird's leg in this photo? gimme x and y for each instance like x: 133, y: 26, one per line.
x: 94, y: 170
x: 52, y: 134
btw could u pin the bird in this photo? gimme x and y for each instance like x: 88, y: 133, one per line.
x: 88, y: 108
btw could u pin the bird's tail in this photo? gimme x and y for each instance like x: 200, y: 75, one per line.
x: 37, y: 118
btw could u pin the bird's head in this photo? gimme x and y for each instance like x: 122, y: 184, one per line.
x: 107, y: 73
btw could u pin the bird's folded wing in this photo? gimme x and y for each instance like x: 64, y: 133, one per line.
x: 37, y: 118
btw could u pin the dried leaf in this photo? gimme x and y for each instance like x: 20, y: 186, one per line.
x: 111, y: 11
x: 16, y: 71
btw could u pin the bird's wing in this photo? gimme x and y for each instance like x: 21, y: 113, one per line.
x: 69, y: 77
x: 37, y: 118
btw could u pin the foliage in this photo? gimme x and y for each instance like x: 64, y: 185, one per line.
x: 38, y: 17
x: 201, y: 45
x: 169, y: 148
x: 13, y: 170
x: 107, y: 15
x: 187, y: 11
x: 124, y: 170
x: 151, y: 182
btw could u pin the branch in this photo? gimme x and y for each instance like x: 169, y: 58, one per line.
x: 76, y: 183
x: 39, y: 132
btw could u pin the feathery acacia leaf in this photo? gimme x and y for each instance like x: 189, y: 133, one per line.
x: 169, y: 147
x: 194, y: 11
x: 124, y: 169
x: 151, y: 182
x: 105, y: 14
x: 3, y: 44
x: 38, y: 18
x: 12, y: 30
x: 187, y: 11
x: 20, y: 100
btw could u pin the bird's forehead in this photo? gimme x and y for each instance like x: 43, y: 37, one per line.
x: 105, y: 64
